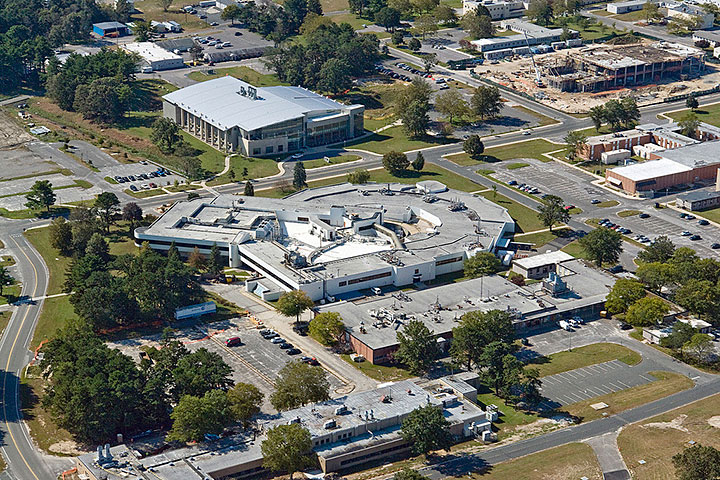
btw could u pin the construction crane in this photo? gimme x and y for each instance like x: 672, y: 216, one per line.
x: 538, y: 80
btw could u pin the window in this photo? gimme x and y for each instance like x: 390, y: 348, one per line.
x: 342, y: 284
x: 280, y: 148
x: 368, y: 278
x: 417, y: 270
x: 448, y: 260
x: 256, y: 151
x: 269, y: 149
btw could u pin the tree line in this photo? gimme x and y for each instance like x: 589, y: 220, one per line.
x: 271, y: 20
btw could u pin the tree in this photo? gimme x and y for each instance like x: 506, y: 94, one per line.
x: 387, y: 17
x: 231, y: 12
x: 429, y: 61
x: 194, y: 417
x: 133, y: 214
x: 106, y: 205
x: 660, y: 250
x: 500, y: 368
x: 103, y: 100
x: 397, y: 37
x: 426, y: 429
x: 199, y: 372
x: 701, y: 297
x: 197, y: 260
x: 417, y: 347
x: 41, y: 195
x: 681, y: 334
x: 245, y: 401
x: 602, y: 245
x: 473, y: 146
x: 655, y: 275
x: 314, y: 7
x: 334, y: 76
x: 98, y: 246
x: 451, y: 104
x: 196, y: 52
x: 700, y: 347
x: 395, y: 162
x: 476, y: 330
x: 299, y: 176
x: 689, y: 124
x: 249, y: 190
x: 414, y: 44
x: 297, y: 384
x: 552, y: 210
x: 651, y: 11
x: 165, y: 134
x: 597, y: 115
x: 624, y: 293
x: 419, y: 163
x: 646, y: 312
x: 216, y: 264
x: 143, y: 31
x: 287, y: 448
x: 481, y: 264
x: 294, y: 303
x: 486, y: 102
x: 477, y: 25
x: 60, y: 232
x: 359, y: 176
x: 5, y: 278
x: 426, y: 24
x: 575, y: 141
x: 425, y: 5
x: 692, y: 102
x: 540, y: 11
x: 327, y: 328
x: 697, y: 463
x: 165, y: 4
x: 409, y: 474
x: 416, y: 119
x: 445, y: 14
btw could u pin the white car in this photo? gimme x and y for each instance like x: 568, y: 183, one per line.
x: 686, y: 233
x: 145, y: 186
x: 527, y: 132
x: 227, y: 44
x: 297, y: 156
x: 277, y: 340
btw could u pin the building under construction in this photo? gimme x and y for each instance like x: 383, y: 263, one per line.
x: 604, y: 67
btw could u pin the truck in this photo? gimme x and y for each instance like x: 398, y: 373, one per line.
x: 564, y: 325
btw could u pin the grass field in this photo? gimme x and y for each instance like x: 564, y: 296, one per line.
x: 584, y: 356
x: 574, y: 249
x: 541, y: 238
x: 394, y: 139
x: 608, y: 203
x: 42, y: 427
x: 543, y: 120
x: 628, y: 213
x: 526, y: 218
x: 567, y: 462
x: 243, y: 73
x: 151, y: 11
x: 56, y: 263
x: 528, y: 149
x: 352, y: 19
x: 666, y: 384
x: 320, y: 162
x: 712, y: 215
x: 656, y: 440
x: 334, y: 5
x: 380, y: 373
x: 517, y: 165
x: 256, y: 168
x: 510, y: 418
x: 706, y: 113
x: 378, y: 100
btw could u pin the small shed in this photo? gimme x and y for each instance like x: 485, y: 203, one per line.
x: 111, y: 29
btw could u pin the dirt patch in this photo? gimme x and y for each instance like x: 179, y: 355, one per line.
x: 714, y: 421
x: 675, y: 423
x: 66, y: 447
x: 10, y: 133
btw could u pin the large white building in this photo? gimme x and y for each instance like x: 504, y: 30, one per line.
x: 154, y: 56
x: 232, y: 115
x: 697, y: 15
x: 499, y: 9
x: 529, y: 34
x: 330, y: 241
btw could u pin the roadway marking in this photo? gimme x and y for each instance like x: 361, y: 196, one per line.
x: 7, y: 369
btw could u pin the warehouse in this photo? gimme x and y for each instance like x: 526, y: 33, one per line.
x: 530, y: 34
x: 346, y: 432
x: 388, y: 234
x: 232, y: 115
x: 571, y: 289
x: 111, y: 29
x: 154, y: 57
x: 598, y: 68
x: 625, y: 7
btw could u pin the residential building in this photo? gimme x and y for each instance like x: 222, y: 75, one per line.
x: 154, y: 57
x: 232, y: 115
x: 332, y: 241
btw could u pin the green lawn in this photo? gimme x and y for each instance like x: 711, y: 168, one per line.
x: 378, y: 100
x: 394, y: 139
x: 380, y: 373
x: 706, y: 113
x: 334, y: 5
x: 543, y: 120
x: 55, y: 314
x: 10, y: 293
x: 517, y: 165
x: 574, y: 249
x: 334, y: 160
x: 526, y: 218
x: 510, y: 418
x: 527, y: 149
x: 567, y: 462
x: 584, y: 356
x: 243, y: 73
x: 56, y: 263
x: 712, y: 215
x: 541, y: 238
x: 608, y: 203
x: 354, y: 21
x: 256, y: 168
x: 145, y: 193
x: 628, y: 213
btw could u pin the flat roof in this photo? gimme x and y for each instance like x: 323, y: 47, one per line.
x: 542, y: 259
x: 649, y: 170
x: 697, y: 155
x: 699, y: 195
x: 150, y: 51
x: 107, y: 25
x: 220, y: 103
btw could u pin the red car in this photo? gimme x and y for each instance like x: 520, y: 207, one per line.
x: 232, y: 342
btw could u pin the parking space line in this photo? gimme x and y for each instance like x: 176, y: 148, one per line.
x: 619, y: 388
x: 594, y: 391
x: 646, y: 378
x: 623, y: 384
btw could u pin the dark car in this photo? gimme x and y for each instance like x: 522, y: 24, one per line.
x: 512, y: 182
x: 715, y: 246
x: 695, y: 237
x: 689, y: 217
x: 237, y: 34
x: 702, y: 221
x: 624, y: 326
x: 616, y: 269
x: 293, y: 351
x: 133, y: 188
x: 232, y: 342
x: 644, y: 215
x: 683, y: 215
x: 286, y: 346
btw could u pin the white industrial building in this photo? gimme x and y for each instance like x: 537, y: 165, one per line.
x: 499, y: 9
x: 334, y: 240
x: 154, y: 57
x: 701, y: 18
x: 625, y: 7
x: 530, y: 34
x: 232, y: 115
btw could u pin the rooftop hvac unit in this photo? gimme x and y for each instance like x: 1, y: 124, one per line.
x: 329, y: 424
x: 341, y: 409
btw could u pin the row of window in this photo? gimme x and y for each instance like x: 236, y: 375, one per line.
x: 374, y: 454
x: 365, y: 279
x: 448, y: 260
x: 268, y: 149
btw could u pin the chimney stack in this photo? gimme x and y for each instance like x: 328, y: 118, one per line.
x: 108, y: 455
x: 100, y: 458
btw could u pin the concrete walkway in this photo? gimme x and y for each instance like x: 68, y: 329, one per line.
x: 608, y: 455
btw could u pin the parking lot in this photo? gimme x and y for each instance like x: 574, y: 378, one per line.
x: 134, y: 174
x: 255, y: 360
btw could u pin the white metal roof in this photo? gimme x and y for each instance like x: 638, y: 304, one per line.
x: 150, y: 51
x: 549, y: 258
x: 649, y: 170
x: 219, y: 103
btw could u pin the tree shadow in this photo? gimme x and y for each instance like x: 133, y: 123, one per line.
x: 455, y: 465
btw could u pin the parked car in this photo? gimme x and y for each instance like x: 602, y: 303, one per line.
x: 594, y: 201
x: 309, y: 360
x: 644, y: 215
x: 616, y: 269
x: 268, y: 335
x: 232, y: 342
x: 133, y: 188
x: 715, y: 246
x: 624, y: 326
x: 293, y: 351
x: 686, y: 233
x: 277, y: 340
x: 689, y: 217
x: 702, y: 221
x: 696, y: 237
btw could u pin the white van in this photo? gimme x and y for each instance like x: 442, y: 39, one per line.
x: 376, y: 291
